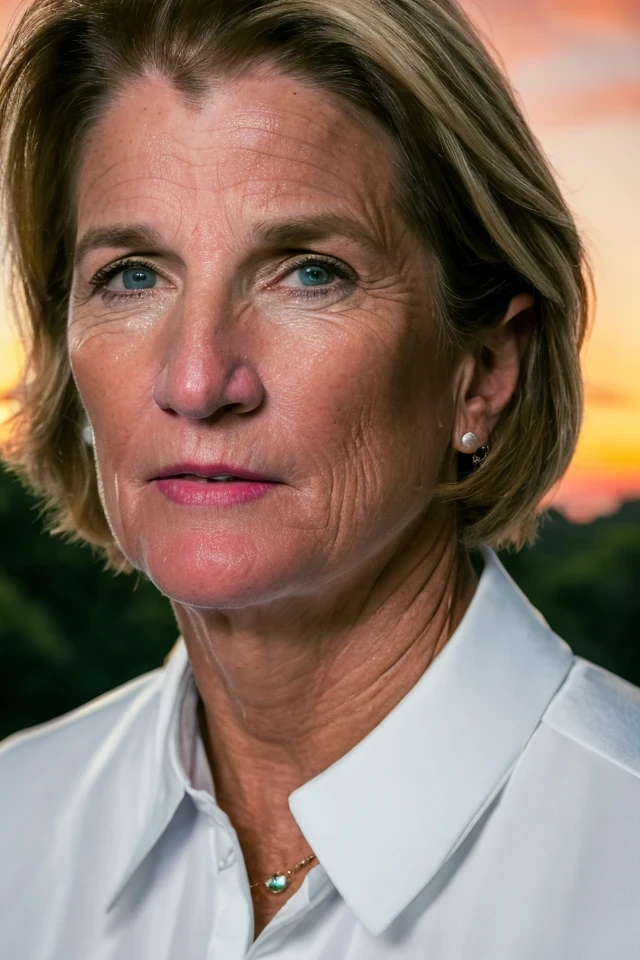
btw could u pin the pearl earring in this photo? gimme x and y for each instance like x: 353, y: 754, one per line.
x: 471, y: 442
x: 87, y: 434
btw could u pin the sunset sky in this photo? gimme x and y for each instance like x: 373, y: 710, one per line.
x: 575, y: 65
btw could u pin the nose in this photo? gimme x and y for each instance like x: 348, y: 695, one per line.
x: 204, y: 367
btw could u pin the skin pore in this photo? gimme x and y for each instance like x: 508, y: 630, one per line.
x: 308, y: 613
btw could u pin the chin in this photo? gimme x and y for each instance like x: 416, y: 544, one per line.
x: 217, y: 570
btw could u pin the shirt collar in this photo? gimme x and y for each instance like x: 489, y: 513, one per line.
x: 386, y: 816
x: 160, y: 776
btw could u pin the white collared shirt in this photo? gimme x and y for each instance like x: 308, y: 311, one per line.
x: 493, y: 814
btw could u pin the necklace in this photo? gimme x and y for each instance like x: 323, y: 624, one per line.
x: 278, y: 882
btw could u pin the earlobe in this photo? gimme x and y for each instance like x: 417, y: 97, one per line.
x: 469, y: 427
x: 488, y: 379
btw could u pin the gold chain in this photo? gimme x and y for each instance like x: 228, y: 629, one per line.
x: 278, y: 882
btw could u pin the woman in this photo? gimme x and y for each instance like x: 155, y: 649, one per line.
x: 305, y: 253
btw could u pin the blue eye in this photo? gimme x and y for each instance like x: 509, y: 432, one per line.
x: 320, y: 278
x: 311, y: 272
x: 138, y: 278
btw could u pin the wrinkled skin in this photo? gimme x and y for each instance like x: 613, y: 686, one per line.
x: 343, y: 396
x: 332, y: 590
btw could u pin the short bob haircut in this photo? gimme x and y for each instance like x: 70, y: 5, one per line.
x: 472, y: 178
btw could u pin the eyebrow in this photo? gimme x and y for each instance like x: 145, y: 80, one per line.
x: 319, y: 226
x: 284, y: 233
x: 119, y: 235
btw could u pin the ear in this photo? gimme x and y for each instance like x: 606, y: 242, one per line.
x: 486, y: 380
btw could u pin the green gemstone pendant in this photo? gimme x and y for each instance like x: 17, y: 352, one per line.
x: 277, y: 883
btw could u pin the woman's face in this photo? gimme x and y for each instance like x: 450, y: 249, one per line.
x: 203, y: 331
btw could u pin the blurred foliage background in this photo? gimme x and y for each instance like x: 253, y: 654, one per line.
x: 69, y: 631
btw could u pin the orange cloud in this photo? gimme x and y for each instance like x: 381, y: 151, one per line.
x: 584, y: 494
x: 605, y: 396
x: 621, y: 14
x: 539, y: 28
x: 549, y: 16
x: 570, y: 107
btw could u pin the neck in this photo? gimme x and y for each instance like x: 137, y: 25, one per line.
x: 285, y: 696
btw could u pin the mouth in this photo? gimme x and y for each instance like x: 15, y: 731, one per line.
x: 211, y: 473
x: 200, y: 479
x: 186, y: 486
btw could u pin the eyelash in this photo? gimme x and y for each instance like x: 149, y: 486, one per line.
x: 102, y: 276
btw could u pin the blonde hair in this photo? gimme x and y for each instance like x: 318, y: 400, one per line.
x: 473, y: 180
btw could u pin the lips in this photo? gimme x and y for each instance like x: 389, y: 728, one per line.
x: 206, y: 472
x: 198, y: 479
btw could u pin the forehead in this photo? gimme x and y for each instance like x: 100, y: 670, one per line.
x: 263, y: 141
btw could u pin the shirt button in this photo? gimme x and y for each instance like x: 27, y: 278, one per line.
x: 227, y: 860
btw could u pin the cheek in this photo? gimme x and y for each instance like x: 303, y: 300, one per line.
x: 390, y: 383
x: 111, y: 373
x: 419, y: 413
x: 371, y: 409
